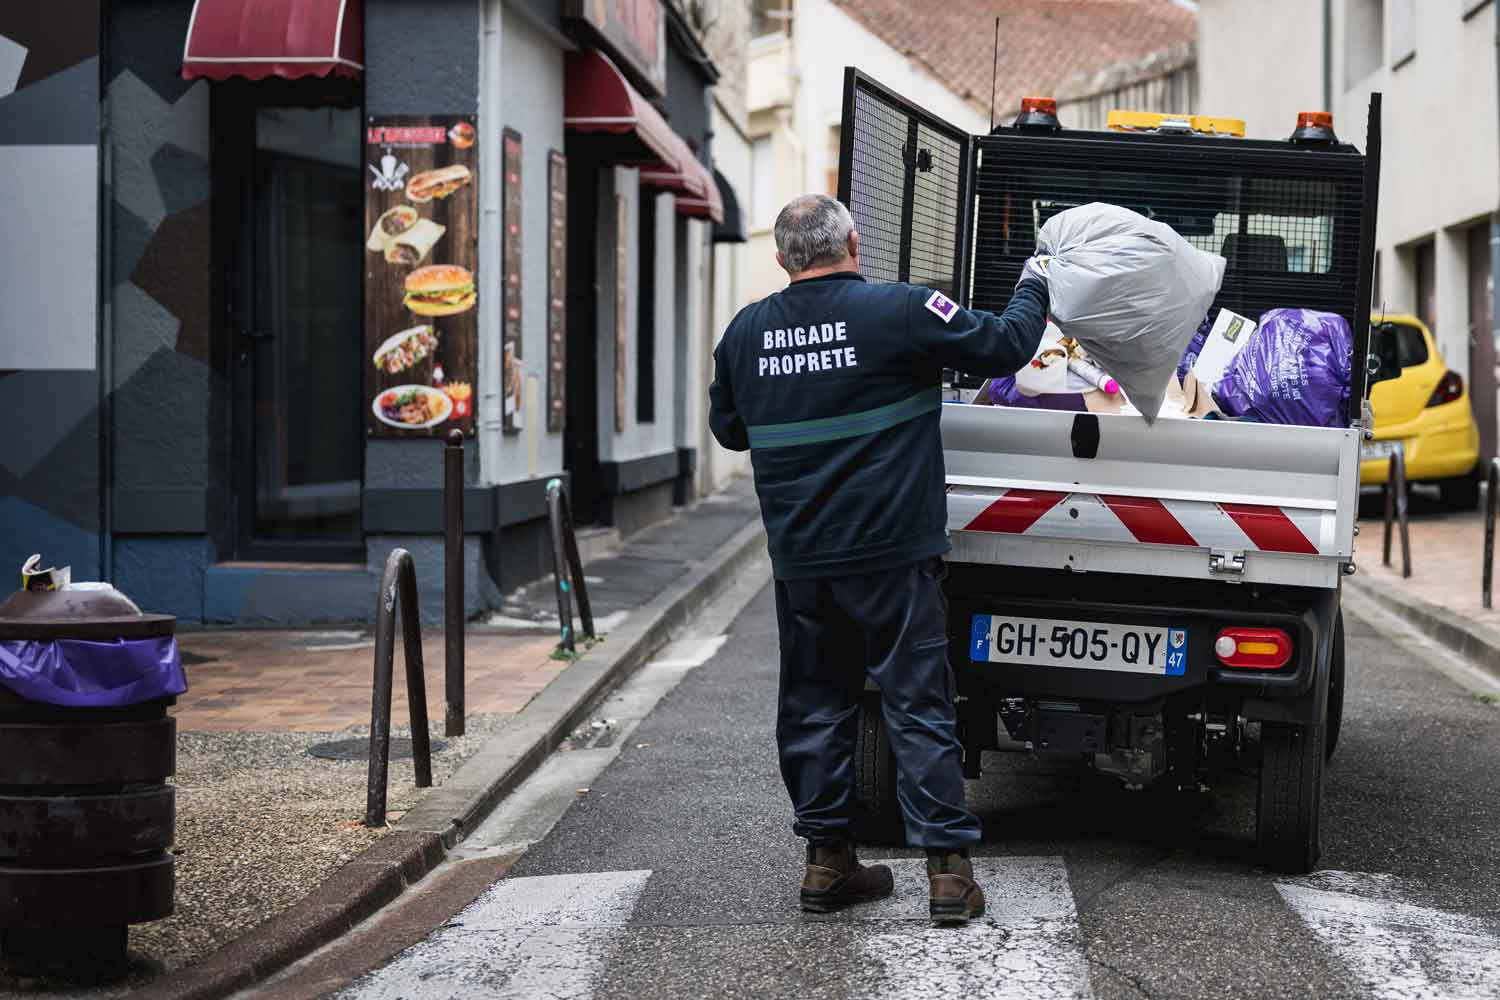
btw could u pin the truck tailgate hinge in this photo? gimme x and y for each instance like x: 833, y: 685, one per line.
x: 1227, y: 562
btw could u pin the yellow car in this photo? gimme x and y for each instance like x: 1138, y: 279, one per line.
x: 1418, y: 401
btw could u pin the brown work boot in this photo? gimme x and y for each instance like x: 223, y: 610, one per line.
x: 956, y: 898
x: 835, y: 879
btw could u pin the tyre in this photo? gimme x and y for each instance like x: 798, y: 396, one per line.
x: 1459, y: 493
x: 1291, y: 795
x: 879, y: 815
x: 1335, y: 688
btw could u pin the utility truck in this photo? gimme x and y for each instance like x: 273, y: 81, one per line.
x: 1150, y: 597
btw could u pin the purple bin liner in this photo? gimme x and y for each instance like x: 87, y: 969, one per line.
x: 1190, y: 356
x: 1003, y: 392
x: 1295, y: 370
x: 76, y: 673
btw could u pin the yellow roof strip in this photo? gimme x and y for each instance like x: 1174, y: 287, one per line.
x: 1156, y: 121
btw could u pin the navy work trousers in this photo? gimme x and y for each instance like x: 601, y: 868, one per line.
x: 892, y: 625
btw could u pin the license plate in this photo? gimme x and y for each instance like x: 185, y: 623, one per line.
x: 1376, y: 450
x: 1051, y: 642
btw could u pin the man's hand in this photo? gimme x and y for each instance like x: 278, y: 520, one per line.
x: 1036, y: 269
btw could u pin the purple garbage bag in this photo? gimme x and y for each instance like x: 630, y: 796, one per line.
x: 1295, y: 370
x: 1190, y: 356
x: 77, y: 673
x: 1003, y: 392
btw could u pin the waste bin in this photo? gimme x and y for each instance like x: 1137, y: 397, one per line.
x: 86, y: 815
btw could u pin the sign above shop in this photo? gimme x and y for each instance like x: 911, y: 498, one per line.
x: 634, y: 32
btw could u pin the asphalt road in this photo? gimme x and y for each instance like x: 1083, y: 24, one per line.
x: 674, y: 874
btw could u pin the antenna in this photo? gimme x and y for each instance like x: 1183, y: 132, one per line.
x: 994, y: 74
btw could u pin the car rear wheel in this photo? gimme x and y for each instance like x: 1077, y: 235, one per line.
x: 879, y: 815
x: 1460, y: 492
x: 1291, y: 795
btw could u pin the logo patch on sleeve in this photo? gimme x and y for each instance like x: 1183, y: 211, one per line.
x: 941, y: 306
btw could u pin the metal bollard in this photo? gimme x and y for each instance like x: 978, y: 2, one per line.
x: 567, y: 567
x: 1490, y: 500
x: 453, y: 582
x: 1395, y: 509
x: 398, y: 582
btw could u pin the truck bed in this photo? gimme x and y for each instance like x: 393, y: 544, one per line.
x: 1193, y: 499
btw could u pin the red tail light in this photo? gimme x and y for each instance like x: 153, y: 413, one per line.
x: 1449, y: 388
x: 1253, y: 648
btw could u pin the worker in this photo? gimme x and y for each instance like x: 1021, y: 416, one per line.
x: 834, y: 386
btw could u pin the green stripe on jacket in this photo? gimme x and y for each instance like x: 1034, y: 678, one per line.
x: 846, y: 425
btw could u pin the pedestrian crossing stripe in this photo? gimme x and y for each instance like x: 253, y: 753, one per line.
x: 555, y: 935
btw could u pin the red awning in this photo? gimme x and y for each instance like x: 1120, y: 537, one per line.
x: 599, y: 99
x: 285, y: 38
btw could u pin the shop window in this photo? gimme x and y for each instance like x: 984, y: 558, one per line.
x: 645, y: 315
x: 1364, y: 39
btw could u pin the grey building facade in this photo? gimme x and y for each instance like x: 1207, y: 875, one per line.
x: 196, y: 431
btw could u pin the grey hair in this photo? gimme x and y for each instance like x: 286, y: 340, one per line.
x: 812, y: 231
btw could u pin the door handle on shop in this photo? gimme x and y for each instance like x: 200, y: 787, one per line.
x: 257, y: 335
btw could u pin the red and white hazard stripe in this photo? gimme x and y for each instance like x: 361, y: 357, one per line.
x: 1108, y: 518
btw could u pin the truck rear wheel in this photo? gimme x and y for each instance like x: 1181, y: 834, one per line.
x: 879, y: 814
x: 1291, y: 795
x: 1336, y: 687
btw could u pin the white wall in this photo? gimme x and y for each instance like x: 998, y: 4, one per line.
x: 638, y: 440
x: 531, y: 64
x: 827, y: 40
x: 729, y: 294
x: 1441, y: 162
x: 1260, y: 61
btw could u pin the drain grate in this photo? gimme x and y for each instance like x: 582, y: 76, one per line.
x: 359, y: 749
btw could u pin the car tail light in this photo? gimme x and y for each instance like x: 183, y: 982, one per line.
x: 1449, y: 388
x: 1253, y: 648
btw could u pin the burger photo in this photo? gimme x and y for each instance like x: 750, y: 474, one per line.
x: 461, y: 135
x: 440, y: 290
x: 439, y: 183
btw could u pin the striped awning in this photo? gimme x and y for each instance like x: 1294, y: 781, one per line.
x: 286, y: 38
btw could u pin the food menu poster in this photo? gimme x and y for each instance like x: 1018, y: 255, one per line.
x: 421, y: 265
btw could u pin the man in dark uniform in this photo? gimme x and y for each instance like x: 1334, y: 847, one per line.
x: 833, y: 384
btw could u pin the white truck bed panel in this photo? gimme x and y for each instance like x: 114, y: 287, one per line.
x: 1159, y: 500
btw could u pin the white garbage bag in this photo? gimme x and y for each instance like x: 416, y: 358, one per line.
x: 1130, y: 290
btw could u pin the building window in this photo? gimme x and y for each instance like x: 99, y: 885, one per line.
x: 762, y: 184
x: 1403, y: 33
x: 770, y: 17
x: 645, y: 313
x: 1424, y: 266
x: 1364, y: 39
x: 833, y: 160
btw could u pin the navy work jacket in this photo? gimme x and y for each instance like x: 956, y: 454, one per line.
x: 834, y: 385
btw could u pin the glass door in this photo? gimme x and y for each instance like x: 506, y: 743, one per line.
x: 301, y: 440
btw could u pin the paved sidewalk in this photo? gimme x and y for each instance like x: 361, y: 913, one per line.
x: 262, y: 823
x: 1447, y: 557
x: 306, y: 682
x: 1443, y: 597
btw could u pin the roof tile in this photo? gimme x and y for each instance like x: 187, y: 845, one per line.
x: 1047, y: 47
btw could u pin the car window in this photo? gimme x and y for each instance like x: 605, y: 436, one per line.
x: 1394, y: 346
